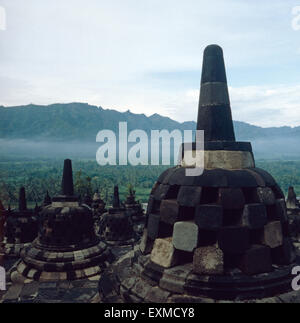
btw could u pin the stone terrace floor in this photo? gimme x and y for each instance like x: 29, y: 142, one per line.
x: 86, y: 291
x: 77, y: 291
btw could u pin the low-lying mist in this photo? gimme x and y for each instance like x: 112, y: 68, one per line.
x: 277, y: 148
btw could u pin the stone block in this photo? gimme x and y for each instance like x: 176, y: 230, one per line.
x: 189, y: 196
x: 231, y: 198
x: 150, y: 206
x: 161, y: 192
x: 254, y: 216
x: 157, y: 295
x: 153, y: 226
x: 284, y: 254
x: 169, y: 211
x: 281, y: 212
x: 272, y: 235
x: 173, y: 279
x: 208, y: 261
x: 164, y: 253
x: 209, y: 217
x: 141, y: 288
x: 234, y: 239
x: 256, y: 260
x: 265, y: 195
x: 185, y: 236
x: 146, y: 243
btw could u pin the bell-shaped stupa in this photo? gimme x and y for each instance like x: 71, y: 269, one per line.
x: 2, y: 224
x: 135, y: 209
x: 116, y: 227
x: 21, y: 227
x: 221, y: 235
x: 67, y: 247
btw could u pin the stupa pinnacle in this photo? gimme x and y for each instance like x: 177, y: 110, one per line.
x: 214, y: 116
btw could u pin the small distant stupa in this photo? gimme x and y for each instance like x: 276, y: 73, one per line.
x: 292, y: 202
x: 2, y: 223
x: 67, y: 247
x: 116, y: 227
x: 21, y: 227
x: 135, y: 209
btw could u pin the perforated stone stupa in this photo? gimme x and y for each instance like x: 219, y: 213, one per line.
x: 21, y: 227
x: 116, y: 227
x: 2, y: 223
x: 135, y: 209
x: 221, y: 235
x: 67, y: 247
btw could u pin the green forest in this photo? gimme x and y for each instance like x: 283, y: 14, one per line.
x: 42, y: 175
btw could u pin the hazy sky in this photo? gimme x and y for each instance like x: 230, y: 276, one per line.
x: 146, y: 55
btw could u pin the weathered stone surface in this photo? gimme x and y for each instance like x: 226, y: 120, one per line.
x: 164, y: 253
x: 169, y: 211
x: 173, y: 279
x: 209, y: 217
x: 141, y: 288
x: 256, y: 260
x: 281, y: 211
x: 284, y: 254
x: 190, y: 299
x: 150, y: 206
x: 129, y: 282
x: 146, y: 243
x: 157, y: 295
x: 227, y: 159
x: 265, y: 195
x: 158, y: 229
x: 208, y: 261
x: 231, y: 198
x: 272, y: 235
x: 153, y: 225
x: 234, y: 239
x: 189, y: 196
x: 161, y: 192
x: 291, y: 297
x: 185, y: 236
x: 254, y: 216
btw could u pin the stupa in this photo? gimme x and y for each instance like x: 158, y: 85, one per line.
x: 67, y: 247
x: 2, y: 223
x: 47, y: 200
x: 292, y: 202
x: 87, y: 200
x: 116, y: 227
x: 222, y: 235
x: 293, y: 212
x: 21, y: 227
x: 135, y: 209
x: 98, y: 206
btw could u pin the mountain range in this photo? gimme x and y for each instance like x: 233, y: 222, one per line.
x: 80, y: 122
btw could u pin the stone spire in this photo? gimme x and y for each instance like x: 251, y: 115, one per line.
x: 116, y: 199
x: 22, y: 200
x: 47, y: 199
x: 214, y: 115
x: 67, y: 180
x: 291, y: 201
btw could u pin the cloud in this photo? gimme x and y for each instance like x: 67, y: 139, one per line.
x: 146, y: 56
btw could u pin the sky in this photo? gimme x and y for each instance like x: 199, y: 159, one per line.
x: 146, y: 55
